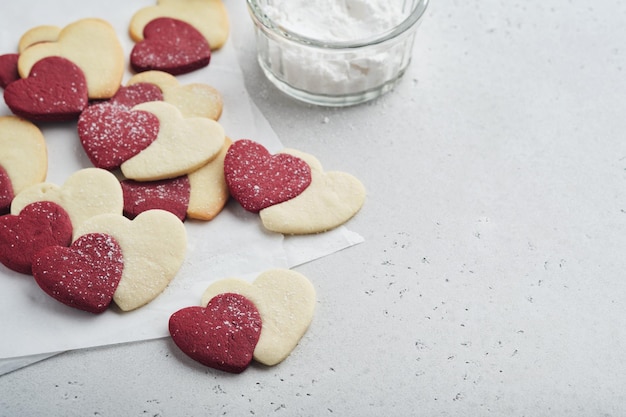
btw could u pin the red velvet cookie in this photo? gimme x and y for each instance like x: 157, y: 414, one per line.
x: 257, y: 179
x: 221, y: 336
x: 171, y: 195
x: 111, y: 132
x: 172, y: 46
x: 54, y: 91
x: 8, y: 69
x: 39, y: 225
x: 6, y: 192
x: 83, y: 276
x: 138, y: 93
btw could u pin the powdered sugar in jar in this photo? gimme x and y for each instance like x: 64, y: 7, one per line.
x: 335, y: 52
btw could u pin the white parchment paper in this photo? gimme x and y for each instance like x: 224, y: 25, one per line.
x: 35, y: 326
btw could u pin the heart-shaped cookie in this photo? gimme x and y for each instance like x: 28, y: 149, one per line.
x: 331, y: 200
x: 257, y: 179
x: 92, y: 45
x: 83, y: 276
x: 86, y: 193
x: 111, y: 133
x: 54, y: 90
x: 172, y: 46
x: 208, y: 16
x: 171, y: 195
x: 39, y: 225
x: 193, y: 100
x: 286, y: 301
x: 8, y: 69
x: 222, y: 336
x: 23, y: 152
x: 153, y: 246
x: 182, y: 146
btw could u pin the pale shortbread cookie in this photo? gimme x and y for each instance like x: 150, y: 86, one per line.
x: 193, y: 100
x: 183, y: 145
x: 86, y: 193
x: 208, y: 189
x: 153, y: 245
x: 209, y: 17
x: 286, y: 302
x: 23, y: 152
x: 38, y: 34
x: 329, y: 201
x: 92, y: 44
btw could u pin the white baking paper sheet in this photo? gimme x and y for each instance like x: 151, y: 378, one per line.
x: 35, y: 326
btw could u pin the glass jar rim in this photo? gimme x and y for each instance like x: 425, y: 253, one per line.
x: 269, y: 25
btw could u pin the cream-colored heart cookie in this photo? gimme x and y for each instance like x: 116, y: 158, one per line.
x: 208, y: 189
x: 38, y: 34
x: 23, y: 152
x: 209, y: 17
x: 153, y: 246
x: 86, y: 193
x: 90, y: 43
x: 329, y: 201
x: 193, y: 100
x: 286, y: 302
x: 183, y: 145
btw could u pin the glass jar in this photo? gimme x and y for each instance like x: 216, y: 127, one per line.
x: 335, y: 73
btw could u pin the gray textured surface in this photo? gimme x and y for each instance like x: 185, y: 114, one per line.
x: 491, y: 278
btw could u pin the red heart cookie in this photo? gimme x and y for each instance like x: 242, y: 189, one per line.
x: 23, y: 155
x: 8, y: 69
x: 39, y: 225
x: 222, y: 336
x: 171, y: 195
x: 54, y: 91
x: 257, y: 179
x: 135, y: 94
x: 112, y: 133
x: 83, y: 276
x: 172, y: 46
x: 6, y: 191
